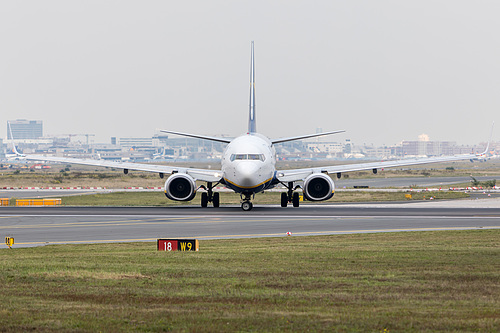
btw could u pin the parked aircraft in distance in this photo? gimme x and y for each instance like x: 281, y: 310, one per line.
x: 248, y: 166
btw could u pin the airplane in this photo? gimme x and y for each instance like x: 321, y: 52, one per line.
x: 248, y: 167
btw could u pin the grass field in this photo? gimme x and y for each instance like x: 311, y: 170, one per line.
x: 159, y: 199
x: 391, y: 282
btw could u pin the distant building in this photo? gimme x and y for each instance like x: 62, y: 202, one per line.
x: 136, y: 142
x: 348, y: 146
x: 162, y: 139
x: 325, y: 147
x: 428, y: 148
x: 2, y: 150
x: 23, y: 129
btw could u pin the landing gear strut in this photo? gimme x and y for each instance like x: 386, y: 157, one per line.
x: 210, y: 196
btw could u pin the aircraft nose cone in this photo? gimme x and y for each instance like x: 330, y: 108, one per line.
x: 248, y: 174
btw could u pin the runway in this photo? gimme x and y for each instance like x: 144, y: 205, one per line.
x: 33, y: 226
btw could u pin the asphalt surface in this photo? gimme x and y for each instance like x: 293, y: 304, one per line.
x: 33, y: 226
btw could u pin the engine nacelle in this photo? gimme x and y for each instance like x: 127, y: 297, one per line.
x: 318, y: 187
x: 180, y: 187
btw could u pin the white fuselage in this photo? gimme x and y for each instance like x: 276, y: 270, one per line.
x: 249, y: 163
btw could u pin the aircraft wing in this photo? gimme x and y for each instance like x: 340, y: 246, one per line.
x: 206, y: 175
x: 301, y: 174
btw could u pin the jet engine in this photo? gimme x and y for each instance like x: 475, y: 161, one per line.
x: 318, y: 187
x: 180, y: 187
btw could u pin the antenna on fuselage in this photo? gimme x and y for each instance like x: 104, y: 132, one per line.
x: 252, y: 126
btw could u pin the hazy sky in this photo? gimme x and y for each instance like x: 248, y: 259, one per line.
x: 384, y: 71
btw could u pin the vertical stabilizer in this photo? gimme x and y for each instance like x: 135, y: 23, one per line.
x: 252, y: 127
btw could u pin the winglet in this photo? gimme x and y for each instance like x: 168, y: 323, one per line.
x: 252, y: 127
x: 489, y: 141
x: 14, y: 149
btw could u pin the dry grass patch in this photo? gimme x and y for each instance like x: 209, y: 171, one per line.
x: 90, y: 275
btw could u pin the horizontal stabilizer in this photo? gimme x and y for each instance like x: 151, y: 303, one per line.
x: 197, y: 136
x: 293, y: 138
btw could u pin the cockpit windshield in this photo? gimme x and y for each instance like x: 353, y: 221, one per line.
x: 252, y: 157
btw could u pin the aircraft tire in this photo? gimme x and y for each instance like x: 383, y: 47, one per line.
x: 296, y: 199
x: 284, y: 199
x: 216, y: 200
x: 204, y: 199
x: 246, y: 206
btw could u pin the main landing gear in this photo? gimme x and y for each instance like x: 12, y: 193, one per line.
x: 210, y: 196
x: 246, y: 204
x: 291, y: 196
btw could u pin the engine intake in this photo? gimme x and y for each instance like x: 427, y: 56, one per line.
x: 318, y: 187
x: 180, y: 187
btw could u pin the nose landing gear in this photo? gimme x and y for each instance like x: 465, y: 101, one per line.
x: 246, y: 204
